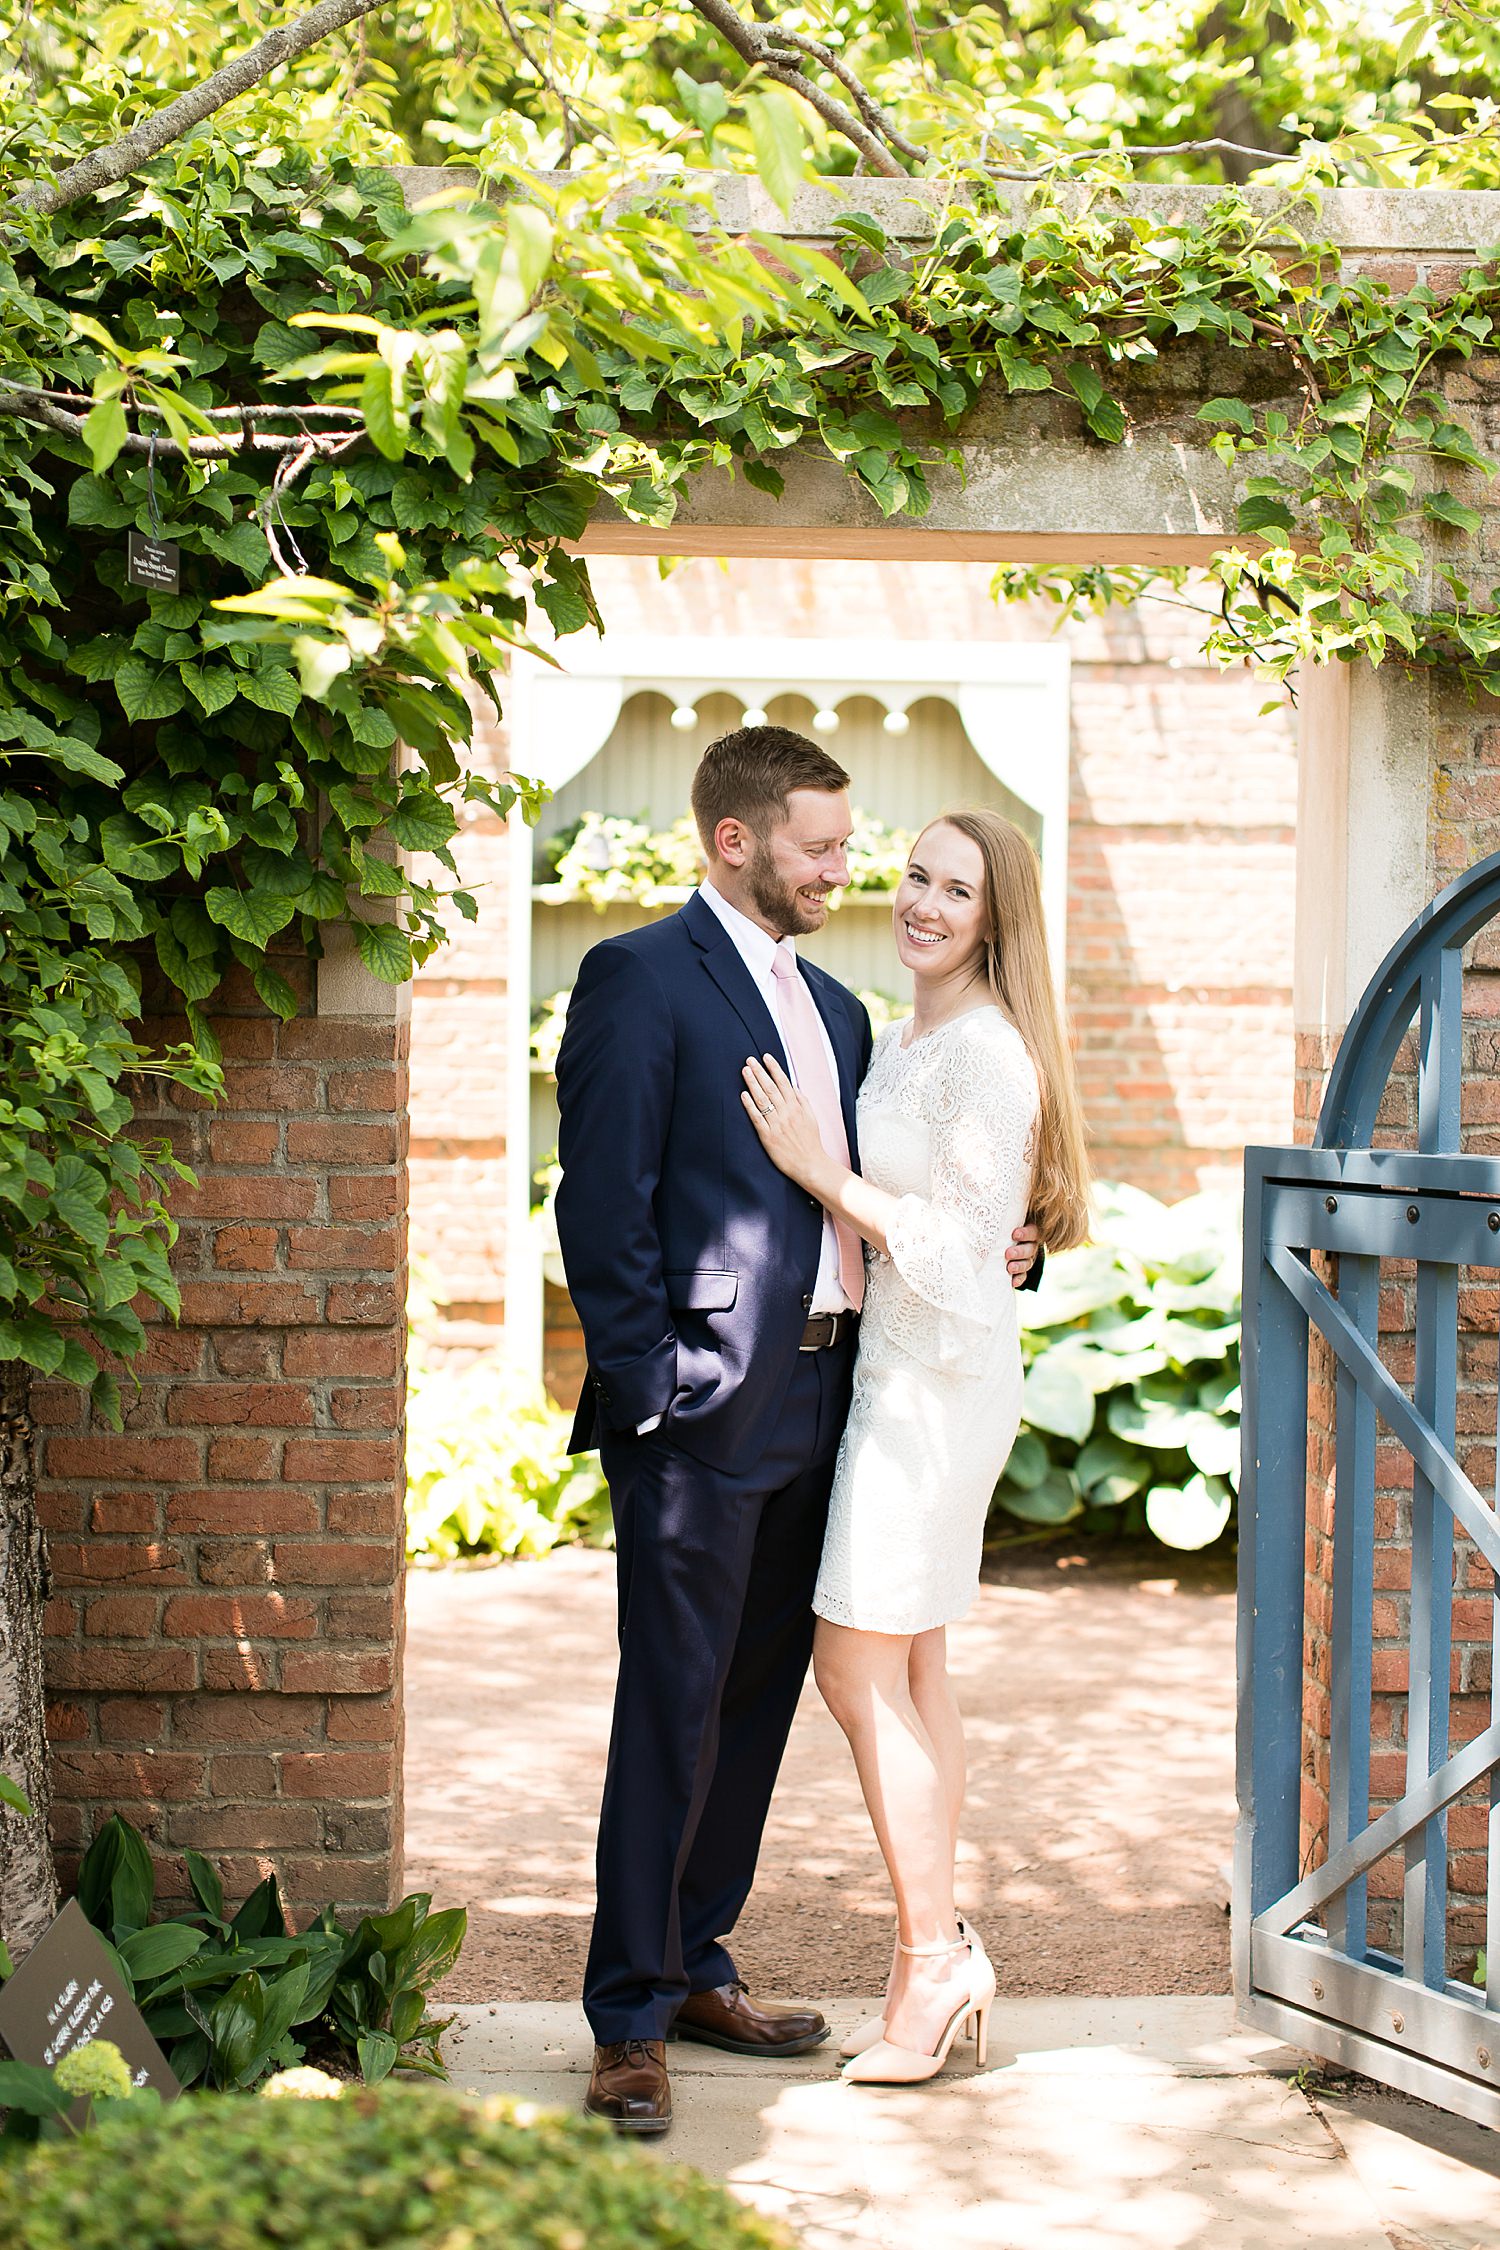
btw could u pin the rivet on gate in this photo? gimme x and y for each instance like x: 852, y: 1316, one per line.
x: 1398, y: 2023
x: 1482, y: 2056
x: 1330, y: 1202
x: 1413, y: 1212
x: 1317, y: 1992
x: 1494, y: 1222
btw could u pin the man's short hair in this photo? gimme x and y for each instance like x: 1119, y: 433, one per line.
x: 749, y: 775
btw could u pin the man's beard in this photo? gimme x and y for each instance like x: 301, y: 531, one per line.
x: 782, y: 905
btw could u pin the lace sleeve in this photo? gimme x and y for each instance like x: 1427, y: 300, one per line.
x: 948, y: 1247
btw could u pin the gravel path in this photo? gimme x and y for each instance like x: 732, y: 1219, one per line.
x: 1098, y: 1692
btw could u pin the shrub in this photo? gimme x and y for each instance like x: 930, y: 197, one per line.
x: 413, y: 2167
x: 488, y: 1469
x: 231, y: 1998
x: 1132, y: 1400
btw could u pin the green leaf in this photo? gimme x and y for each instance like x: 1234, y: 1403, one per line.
x: 707, y: 105
x: 323, y: 898
x: 1110, y: 1472
x: 17, y: 1799
x: 31, y: 2090
x: 1264, y: 514
x: 384, y: 950
x: 1028, y: 1462
x: 1191, y: 1517
x: 93, y: 503
x: 275, y: 992
x: 423, y: 824
x: 1057, y: 1397
x: 253, y: 915
x: 148, y: 691
x: 207, y: 1888
x: 382, y: 401
x: 155, y: 1951
x: 1442, y: 507
x: 272, y: 689
x: 1053, y: 1499
x: 1104, y: 416
x: 377, y: 2052
x: 1233, y: 410
x: 104, y: 432
x: 116, y: 1880
x: 779, y: 146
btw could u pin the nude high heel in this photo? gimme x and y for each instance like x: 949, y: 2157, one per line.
x: 872, y: 2030
x: 886, y: 2064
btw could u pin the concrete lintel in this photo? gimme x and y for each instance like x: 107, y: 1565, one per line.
x: 1421, y: 221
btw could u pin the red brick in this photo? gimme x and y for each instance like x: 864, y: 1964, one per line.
x: 245, y: 1249
x: 250, y: 1304
x: 67, y: 1722
x: 364, y: 1719
x: 239, y: 1512
x: 272, y: 1617
x: 365, y: 1304
x: 337, y: 1460
x: 243, y: 1140
x: 242, y: 1670
x: 366, y: 1197
x: 233, y: 1721
x: 248, y: 1351
x: 363, y: 1617
x: 316, y: 1562
x: 122, y: 1617
x: 283, y: 1091
x: 234, y: 1563
x: 60, y: 1618
x: 374, y: 1406
x: 337, y: 1039
x: 322, y: 1142
x: 326, y: 1249
x: 319, y: 1351
x: 56, y: 1406
x: 161, y: 1460
x: 242, y: 1773
x: 248, y: 1195
x: 252, y: 1827
x: 254, y: 1458
x: 378, y: 1510
x: 350, y: 1090
x: 143, y: 1774
x: 336, y: 1775
x: 60, y: 1511
x: 123, y: 1511
x: 131, y: 1718
x: 127, y: 1670
x: 123, y: 1562
x: 253, y: 1405
x: 339, y: 1671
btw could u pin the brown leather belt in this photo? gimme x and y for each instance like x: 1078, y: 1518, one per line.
x: 825, y: 1328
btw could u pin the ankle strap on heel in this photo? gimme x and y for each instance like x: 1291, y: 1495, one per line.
x: 918, y: 1952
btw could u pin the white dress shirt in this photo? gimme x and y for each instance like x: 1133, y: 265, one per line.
x: 758, y: 949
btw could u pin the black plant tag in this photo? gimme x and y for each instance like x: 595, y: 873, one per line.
x: 67, y: 1991
x: 152, y: 563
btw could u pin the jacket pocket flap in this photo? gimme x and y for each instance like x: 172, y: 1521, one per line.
x: 702, y: 1291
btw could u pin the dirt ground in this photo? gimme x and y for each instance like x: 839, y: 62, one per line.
x: 1098, y: 1694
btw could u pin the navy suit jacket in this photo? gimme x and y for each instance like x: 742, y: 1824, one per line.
x: 690, y: 1258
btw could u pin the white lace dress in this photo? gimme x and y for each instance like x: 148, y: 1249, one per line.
x: 948, y: 1125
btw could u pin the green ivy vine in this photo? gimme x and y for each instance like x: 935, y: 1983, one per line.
x: 371, y: 435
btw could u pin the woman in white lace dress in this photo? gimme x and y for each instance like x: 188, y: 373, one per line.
x: 968, y: 1120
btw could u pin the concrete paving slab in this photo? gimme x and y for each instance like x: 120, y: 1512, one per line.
x: 1149, y: 2124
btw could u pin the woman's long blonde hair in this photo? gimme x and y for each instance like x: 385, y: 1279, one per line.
x: 1019, y: 974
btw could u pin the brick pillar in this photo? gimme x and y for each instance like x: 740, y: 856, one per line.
x: 225, y: 1631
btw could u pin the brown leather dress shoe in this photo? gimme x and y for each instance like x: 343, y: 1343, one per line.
x: 629, y: 2086
x: 727, y: 2017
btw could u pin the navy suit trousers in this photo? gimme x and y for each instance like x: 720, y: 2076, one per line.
x: 716, y: 1576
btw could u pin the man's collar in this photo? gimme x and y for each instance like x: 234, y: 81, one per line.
x: 757, y: 947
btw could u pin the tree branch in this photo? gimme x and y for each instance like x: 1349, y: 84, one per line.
x: 40, y: 406
x: 766, y: 50
x: 103, y: 166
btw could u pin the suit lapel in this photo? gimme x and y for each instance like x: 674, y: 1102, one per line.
x: 721, y: 958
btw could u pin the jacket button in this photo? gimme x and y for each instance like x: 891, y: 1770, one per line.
x: 807, y: 1303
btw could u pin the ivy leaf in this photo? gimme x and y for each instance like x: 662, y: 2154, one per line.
x: 764, y: 477
x: 1103, y: 414
x: 253, y: 915
x: 1442, y: 507
x: 211, y: 686
x: 100, y: 658
x: 272, y: 689
x: 91, y: 501
x: 276, y: 993
x: 423, y: 824
x: 1265, y: 514
x: 244, y: 545
x: 884, y: 285
x: 104, y: 432
x: 707, y: 105
x: 1232, y: 410
x: 147, y: 691
x: 560, y: 510
x: 323, y: 897
x: 384, y: 950
x: 1352, y: 405
x: 382, y: 401
x: 566, y: 609
x: 104, y: 1398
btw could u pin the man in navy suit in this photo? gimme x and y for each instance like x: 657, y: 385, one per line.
x: 719, y: 1323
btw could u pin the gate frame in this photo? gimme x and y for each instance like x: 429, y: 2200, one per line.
x: 1324, y: 1989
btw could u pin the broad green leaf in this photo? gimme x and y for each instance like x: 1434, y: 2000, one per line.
x: 1109, y: 1471
x: 1053, y: 1499
x: 1056, y: 1397
x: 148, y: 691
x: 253, y: 915
x: 272, y: 689
x: 1027, y: 1464
x: 1190, y: 1517
x: 382, y: 401
x: 1442, y: 507
x: 377, y: 2053
x: 11, y: 1795
x: 105, y: 430
x: 384, y: 950
x: 779, y: 145
x: 707, y: 105
x: 154, y: 1951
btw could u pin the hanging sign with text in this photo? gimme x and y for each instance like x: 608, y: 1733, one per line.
x: 68, y: 1991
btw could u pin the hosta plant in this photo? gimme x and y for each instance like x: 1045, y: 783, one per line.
x: 1130, y: 1411
x: 488, y: 1469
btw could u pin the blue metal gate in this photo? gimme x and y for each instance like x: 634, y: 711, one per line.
x: 1304, y: 1964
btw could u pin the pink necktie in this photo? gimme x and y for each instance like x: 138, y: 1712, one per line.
x: 809, y: 1059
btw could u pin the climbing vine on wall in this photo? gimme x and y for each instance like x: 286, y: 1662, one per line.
x: 370, y: 433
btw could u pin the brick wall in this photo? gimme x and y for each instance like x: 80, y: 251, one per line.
x: 224, y: 1630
